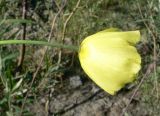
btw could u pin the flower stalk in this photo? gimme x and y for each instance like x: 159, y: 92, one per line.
x: 43, y: 43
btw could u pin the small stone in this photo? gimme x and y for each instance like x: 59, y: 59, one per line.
x: 75, y: 81
x: 43, y: 100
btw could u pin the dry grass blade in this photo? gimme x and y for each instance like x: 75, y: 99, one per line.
x: 154, y: 36
x: 148, y: 71
x: 41, y: 60
x: 151, y: 67
x: 64, y: 28
x: 22, y: 49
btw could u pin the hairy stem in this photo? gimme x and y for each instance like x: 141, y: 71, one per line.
x: 33, y: 42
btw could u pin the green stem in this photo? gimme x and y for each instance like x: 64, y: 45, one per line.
x: 33, y: 42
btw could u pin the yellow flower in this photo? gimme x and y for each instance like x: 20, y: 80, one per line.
x: 110, y: 58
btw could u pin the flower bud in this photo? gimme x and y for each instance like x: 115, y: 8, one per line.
x: 110, y: 59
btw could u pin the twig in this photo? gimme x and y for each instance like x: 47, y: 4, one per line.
x: 40, y: 63
x: 152, y: 34
x: 154, y: 46
x: 151, y: 67
x: 22, y: 49
x: 64, y: 28
x: 45, y: 49
x: 67, y: 20
x: 148, y: 71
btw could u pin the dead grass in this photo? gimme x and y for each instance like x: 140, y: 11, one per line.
x: 70, y: 23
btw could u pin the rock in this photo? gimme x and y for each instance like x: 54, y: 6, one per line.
x: 75, y: 81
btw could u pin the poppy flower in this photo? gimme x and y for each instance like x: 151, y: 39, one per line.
x: 110, y: 58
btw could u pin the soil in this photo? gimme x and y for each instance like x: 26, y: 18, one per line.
x: 86, y: 99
